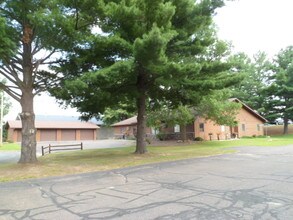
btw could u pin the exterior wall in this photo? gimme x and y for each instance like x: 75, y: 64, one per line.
x: 210, y: 130
x: 10, y: 135
x: 55, y: 134
x: 128, y: 131
x: 170, y: 133
x: 253, y: 125
x: 105, y: 133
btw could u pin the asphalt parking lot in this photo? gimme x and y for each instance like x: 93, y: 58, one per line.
x: 254, y: 183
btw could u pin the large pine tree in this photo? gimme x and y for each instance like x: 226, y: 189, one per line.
x: 150, y: 51
x: 251, y: 90
x: 32, y: 35
x: 280, y: 92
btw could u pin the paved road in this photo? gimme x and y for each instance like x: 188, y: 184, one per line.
x: 255, y: 183
x: 13, y: 156
x: 9, y: 156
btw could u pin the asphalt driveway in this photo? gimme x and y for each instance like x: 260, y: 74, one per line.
x: 255, y: 183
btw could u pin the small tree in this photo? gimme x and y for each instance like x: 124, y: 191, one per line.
x: 117, y: 113
x: 218, y: 108
x: 182, y: 116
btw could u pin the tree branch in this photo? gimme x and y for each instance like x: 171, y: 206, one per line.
x: 10, y: 92
x: 12, y: 72
x: 42, y: 86
x: 11, y: 15
x: 37, y: 48
x: 8, y: 76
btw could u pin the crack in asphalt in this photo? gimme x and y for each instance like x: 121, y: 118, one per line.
x: 207, y: 188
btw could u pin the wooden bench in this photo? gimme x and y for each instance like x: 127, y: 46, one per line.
x: 61, y: 147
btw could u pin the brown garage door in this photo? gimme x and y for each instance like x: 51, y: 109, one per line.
x: 87, y: 134
x: 48, y: 135
x: 18, y: 134
x: 68, y: 135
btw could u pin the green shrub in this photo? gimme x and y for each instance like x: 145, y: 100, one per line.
x: 161, y: 136
x: 198, y: 139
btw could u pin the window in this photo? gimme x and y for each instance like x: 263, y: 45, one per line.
x: 154, y: 131
x: 177, y: 128
x: 222, y: 128
x: 258, y: 127
x: 243, y: 127
x: 201, y: 127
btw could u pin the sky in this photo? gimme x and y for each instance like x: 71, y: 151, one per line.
x: 251, y: 26
x: 257, y: 25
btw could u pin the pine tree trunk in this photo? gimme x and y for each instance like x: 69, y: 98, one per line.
x: 28, y: 141
x: 285, y: 131
x: 141, y: 124
x: 183, y: 133
x: 141, y: 115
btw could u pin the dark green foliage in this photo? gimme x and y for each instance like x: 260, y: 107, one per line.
x: 117, y: 113
x: 280, y: 92
x: 218, y: 108
x: 151, y: 52
x: 198, y: 139
x: 33, y: 33
x: 251, y: 89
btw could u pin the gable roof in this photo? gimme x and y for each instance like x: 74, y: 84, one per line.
x: 133, y: 120
x: 129, y: 121
x: 250, y: 110
x: 55, y: 125
x: 63, y: 118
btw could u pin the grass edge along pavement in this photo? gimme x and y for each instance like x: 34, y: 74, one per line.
x: 10, y: 147
x: 75, y: 162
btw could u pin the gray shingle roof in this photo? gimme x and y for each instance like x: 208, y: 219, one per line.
x: 129, y: 121
x: 56, y: 125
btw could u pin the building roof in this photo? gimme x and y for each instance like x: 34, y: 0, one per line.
x: 133, y: 120
x: 55, y: 125
x: 129, y: 121
x: 246, y: 107
x: 63, y: 118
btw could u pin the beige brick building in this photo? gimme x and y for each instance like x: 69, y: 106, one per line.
x: 249, y: 123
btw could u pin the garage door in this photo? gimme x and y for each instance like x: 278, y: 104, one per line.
x: 18, y: 134
x: 87, y: 134
x: 48, y: 135
x: 68, y: 135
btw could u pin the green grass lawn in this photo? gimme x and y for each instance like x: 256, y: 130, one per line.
x: 9, y: 146
x: 106, y: 159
